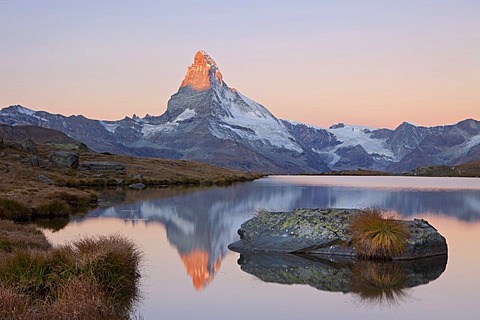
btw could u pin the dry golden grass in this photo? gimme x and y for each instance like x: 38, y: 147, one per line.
x: 78, y: 299
x: 93, y: 278
x: 378, y: 237
x: 469, y: 169
x: 13, y: 305
x: 14, y: 237
x: 13, y: 210
x: 20, y: 178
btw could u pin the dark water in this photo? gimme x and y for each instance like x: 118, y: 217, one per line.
x: 190, y: 273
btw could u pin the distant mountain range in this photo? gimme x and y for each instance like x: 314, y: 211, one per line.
x: 208, y: 121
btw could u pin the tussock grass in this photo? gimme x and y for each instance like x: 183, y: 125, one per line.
x: 53, y: 208
x: 81, y: 298
x: 378, y: 237
x: 114, y: 263
x: 17, y: 237
x: 28, y: 271
x: 93, y: 278
x: 77, y: 203
x: 61, y: 204
x: 14, y: 210
x: 13, y: 305
x: 52, y: 224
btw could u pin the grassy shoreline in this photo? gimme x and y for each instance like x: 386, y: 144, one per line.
x: 92, y: 278
x: 33, y: 187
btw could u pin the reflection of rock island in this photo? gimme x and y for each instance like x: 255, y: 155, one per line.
x: 378, y: 282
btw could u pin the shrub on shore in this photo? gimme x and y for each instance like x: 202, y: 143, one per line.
x: 376, y: 236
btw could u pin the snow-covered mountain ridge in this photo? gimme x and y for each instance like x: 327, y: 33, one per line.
x: 208, y: 121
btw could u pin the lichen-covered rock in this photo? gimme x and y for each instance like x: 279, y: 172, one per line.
x: 324, y: 232
x: 425, y: 240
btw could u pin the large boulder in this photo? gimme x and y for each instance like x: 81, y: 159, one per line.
x: 325, y: 232
x: 64, y: 159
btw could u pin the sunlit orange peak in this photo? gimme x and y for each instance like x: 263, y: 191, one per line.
x: 196, y: 264
x: 202, y: 72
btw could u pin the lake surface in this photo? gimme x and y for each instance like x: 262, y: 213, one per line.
x: 190, y: 273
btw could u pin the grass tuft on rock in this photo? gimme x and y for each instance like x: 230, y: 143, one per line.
x: 375, y: 236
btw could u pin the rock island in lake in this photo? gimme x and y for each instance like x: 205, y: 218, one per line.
x: 328, y: 232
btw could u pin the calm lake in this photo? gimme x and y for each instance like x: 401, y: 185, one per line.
x: 190, y: 273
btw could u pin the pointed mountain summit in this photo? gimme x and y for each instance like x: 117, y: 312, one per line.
x: 202, y: 73
x: 206, y: 107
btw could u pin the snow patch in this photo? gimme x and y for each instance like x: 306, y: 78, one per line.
x: 354, y: 135
x: 473, y: 142
x: 185, y: 115
x: 295, y: 123
x: 151, y: 129
x: 351, y: 136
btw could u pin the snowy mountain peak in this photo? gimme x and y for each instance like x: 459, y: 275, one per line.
x: 19, y: 109
x: 202, y: 73
x: 201, y: 57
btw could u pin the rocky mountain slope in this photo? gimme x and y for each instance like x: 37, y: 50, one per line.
x: 208, y: 121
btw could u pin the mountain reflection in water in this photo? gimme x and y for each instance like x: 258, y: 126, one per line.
x: 199, y: 267
x: 373, y: 282
x: 201, y: 222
